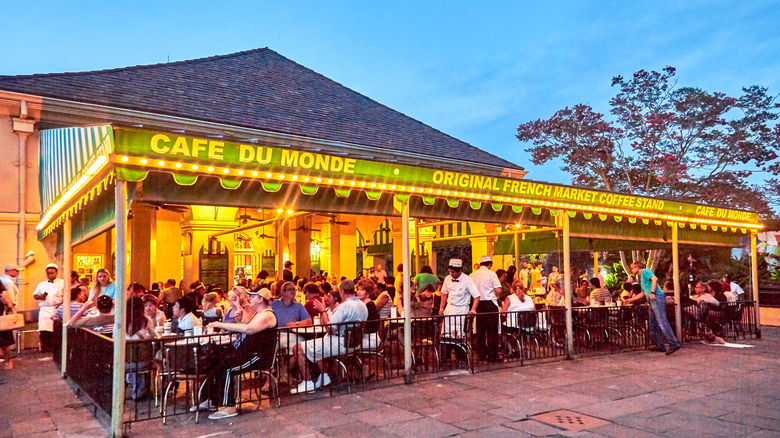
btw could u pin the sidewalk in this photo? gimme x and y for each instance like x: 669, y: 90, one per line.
x: 699, y: 391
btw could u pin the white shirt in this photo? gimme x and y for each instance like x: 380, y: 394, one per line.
x: 10, y: 286
x: 706, y: 298
x: 54, y: 289
x: 460, y: 291
x: 735, y: 289
x: 515, y: 305
x: 381, y: 276
x: 730, y: 297
x: 189, y: 322
x: 486, y: 282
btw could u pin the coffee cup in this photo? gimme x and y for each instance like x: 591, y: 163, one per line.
x: 188, y: 333
x: 316, y: 320
x: 197, y: 331
x: 167, y: 327
x: 159, y: 329
x: 620, y: 303
x: 393, y: 312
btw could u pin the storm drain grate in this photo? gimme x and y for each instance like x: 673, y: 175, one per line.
x: 569, y: 420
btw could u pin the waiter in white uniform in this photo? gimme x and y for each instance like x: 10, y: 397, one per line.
x: 456, y: 293
x: 488, y: 285
x: 49, y: 292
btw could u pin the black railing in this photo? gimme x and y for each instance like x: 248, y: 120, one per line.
x: 168, y: 376
x: 90, y: 365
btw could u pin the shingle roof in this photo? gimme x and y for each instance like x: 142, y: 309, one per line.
x: 257, y: 89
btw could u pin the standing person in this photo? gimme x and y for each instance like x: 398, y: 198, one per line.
x: 506, y: 289
x: 511, y: 271
x: 74, y: 279
x: 380, y: 274
x: 6, y: 336
x: 50, y: 293
x: 536, y: 279
x: 659, y: 324
x: 456, y: 292
x: 488, y: 285
x: 9, y: 282
x: 287, y: 273
x: 523, y: 275
x: 169, y: 296
x: 554, y: 277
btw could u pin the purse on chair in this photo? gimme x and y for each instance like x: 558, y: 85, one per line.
x: 11, y: 321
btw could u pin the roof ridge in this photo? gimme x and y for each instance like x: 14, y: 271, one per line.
x: 142, y: 66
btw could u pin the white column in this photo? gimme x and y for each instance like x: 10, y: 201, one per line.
x: 567, y: 286
x: 66, y: 268
x: 407, y: 295
x: 118, y: 403
x: 676, y: 278
x: 754, y: 279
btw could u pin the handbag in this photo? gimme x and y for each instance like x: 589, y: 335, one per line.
x: 11, y: 321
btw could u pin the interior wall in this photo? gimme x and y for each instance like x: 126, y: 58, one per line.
x: 169, y: 250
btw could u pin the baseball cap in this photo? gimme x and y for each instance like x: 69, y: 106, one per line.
x: 456, y: 263
x: 485, y: 258
x: 264, y: 293
x: 288, y: 263
x: 12, y: 267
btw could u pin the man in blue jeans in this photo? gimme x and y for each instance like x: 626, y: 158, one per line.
x: 659, y: 325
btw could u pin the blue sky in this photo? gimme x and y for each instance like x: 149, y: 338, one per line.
x: 474, y: 70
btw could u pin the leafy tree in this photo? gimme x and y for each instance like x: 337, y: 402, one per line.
x: 663, y: 141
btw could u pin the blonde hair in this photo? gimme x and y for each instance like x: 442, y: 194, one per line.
x: 243, y: 297
x: 97, y: 289
x: 209, y: 301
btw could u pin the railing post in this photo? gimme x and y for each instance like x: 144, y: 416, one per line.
x: 676, y: 278
x: 66, y: 268
x: 567, y: 285
x: 118, y: 401
x: 754, y: 279
x: 407, y: 293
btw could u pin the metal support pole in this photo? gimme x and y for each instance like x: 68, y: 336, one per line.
x: 754, y: 279
x: 676, y: 278
x: 407, y: 294
x: 417, y: 246
x: 517, y: 250
x: 567, y: 285
x: 66, y: 268
x: 118, y: 402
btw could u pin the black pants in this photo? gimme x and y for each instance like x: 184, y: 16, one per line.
x: 47, y: 341
x: 221, y: 390
x: 487, y: 331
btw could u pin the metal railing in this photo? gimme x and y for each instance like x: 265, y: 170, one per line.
x: 168, y: 376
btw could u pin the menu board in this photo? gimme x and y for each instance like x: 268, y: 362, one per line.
x: 87, y: 264
x: 214, y: 267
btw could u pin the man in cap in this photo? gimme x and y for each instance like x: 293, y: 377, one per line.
x: 50, y: 294
x: 488, y: 286
x: 287, y: 273
x: 9, y: 281
x: 456, y: 292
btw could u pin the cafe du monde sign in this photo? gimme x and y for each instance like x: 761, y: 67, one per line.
x: 203, y: 152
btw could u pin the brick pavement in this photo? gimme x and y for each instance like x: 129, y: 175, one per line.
x: 700, y: 391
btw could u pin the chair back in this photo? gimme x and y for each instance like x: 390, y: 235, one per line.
x: 139, y: 352
x: 353, y: 335
x: 527, y: 320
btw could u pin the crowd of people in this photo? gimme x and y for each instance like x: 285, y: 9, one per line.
x: 251, y: 308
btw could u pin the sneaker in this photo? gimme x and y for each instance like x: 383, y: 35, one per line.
x: 305, y: 386
x: 226, y: 412
x: 673, y: 349
x: 324, y: 380
x: 205, y: 406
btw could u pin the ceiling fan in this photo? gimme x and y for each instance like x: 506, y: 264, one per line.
x: 333, y: 221
x: 304, y: 228
x: 244, y: 218
x: 263, y: 235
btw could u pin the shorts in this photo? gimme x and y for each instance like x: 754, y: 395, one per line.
x: 323, y: 348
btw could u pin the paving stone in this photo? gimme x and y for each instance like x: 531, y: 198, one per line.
x: 617, y: 430
x: 386, y: 416
x: 494, y: 432
x: 753, y: 420
x: 422, y: 428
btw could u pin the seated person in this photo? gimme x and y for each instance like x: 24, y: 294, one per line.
x: 312, y: 293
x: 152, y: 311
x: 701, y: 294
x: 383, y: 301
x: 599, y: 295
x: 184, y: 316
x: 310, y: 354
x: 139, y: 326
x: 327, y: 306
x: 210, y: 307
x: 78, y: 296
x: 239, y: 310
x: 582, y: 291
x: 555, y: 297
x: 289, y: 313
x: 256, y: 344
x: 102, y: 323
x: 365, y: 288
x: 632, y: 291
x: 716, y: 291
x: 669, y: 291
x: 519, y: 301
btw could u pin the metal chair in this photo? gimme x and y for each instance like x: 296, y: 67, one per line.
x: 182, y: 363
x: 460, y: 340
